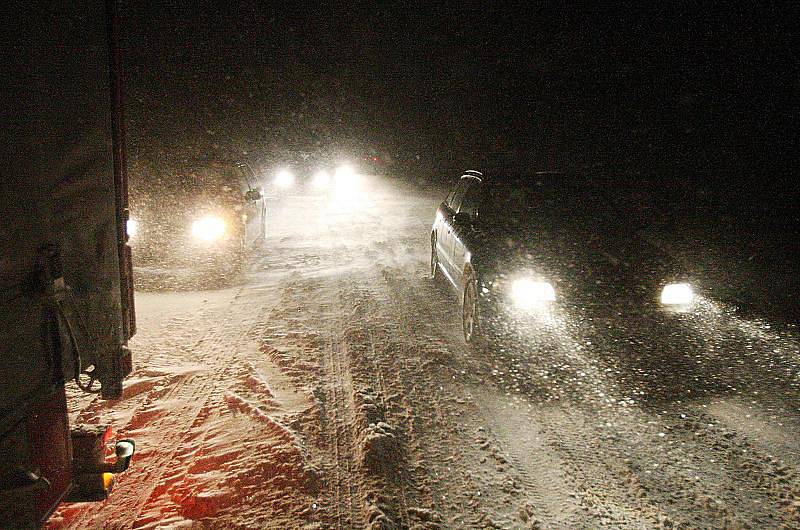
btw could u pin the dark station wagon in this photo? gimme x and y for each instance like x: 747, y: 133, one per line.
x: 518, y: 246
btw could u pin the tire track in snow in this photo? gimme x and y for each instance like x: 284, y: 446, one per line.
x: 404, y: 348
x: 327, y: 361
x: 220, y: 352
x: 340, y: 430
x: 401, y: 288
x: 362, y: 340
x: 540, y: 471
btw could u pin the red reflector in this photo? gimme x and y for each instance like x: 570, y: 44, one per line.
x: 107, y: 434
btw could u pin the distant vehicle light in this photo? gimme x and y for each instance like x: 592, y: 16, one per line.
x: 677, y: 294
x: 347, y: 185
x: 208, y: 229
x: 284, y: 179
x: 345, y: 173
x: 530, y: 294
x: 132, y: 227
x: 322, y: 179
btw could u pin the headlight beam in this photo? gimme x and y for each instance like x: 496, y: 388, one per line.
x: 530, y: 294
x: 208, y: 229
x: 677, y: 294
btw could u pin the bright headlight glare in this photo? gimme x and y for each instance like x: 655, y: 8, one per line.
x: 132, y: 227
x: 284, y: 179
x: 208, y: 228
x: 677, y: 294
x: 322, y: 179
x: 347, y: 182
x: 529, y: 294
x: 344, y: 172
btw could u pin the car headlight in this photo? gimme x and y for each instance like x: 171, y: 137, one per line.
x: 284, y: 179
x: 322, y: 179
x: 347, y: 184
x: 345, y: 171
x: 132, y: 227
x: 677, y: 294
x: 530, y: 294
x: 345, y: 177
x: 209, y: 228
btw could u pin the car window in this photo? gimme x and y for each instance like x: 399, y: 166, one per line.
x: 243, y: 184
x: 471, y: 200
x: 449, y: 199
x: 461, y: 190
x: 455, y: 196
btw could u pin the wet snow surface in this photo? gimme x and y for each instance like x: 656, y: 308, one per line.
x: 330, y: 388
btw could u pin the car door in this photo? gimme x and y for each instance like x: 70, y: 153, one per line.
x: 444, y: 239
x: 462, y: 231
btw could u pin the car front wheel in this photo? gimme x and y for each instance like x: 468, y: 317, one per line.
x: 470, y: 316
x: 435, y: 272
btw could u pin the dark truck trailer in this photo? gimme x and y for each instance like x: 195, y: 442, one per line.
x: 66, y: 298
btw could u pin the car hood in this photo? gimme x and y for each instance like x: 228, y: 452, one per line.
x: 165, y: 219
x: 612, y: 259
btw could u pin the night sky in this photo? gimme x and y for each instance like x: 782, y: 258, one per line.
x: 475, y: 85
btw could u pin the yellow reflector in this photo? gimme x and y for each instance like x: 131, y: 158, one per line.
x: 108, y: 481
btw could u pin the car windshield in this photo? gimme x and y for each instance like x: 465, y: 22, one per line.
x: 191, y: 185
x: 524, y: 202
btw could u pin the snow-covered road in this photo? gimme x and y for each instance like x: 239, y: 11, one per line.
x: 331, y: 389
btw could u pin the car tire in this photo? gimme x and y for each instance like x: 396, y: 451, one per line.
x: 436, y: 273
x: 470, y: 312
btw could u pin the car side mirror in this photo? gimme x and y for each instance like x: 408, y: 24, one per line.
x: 462, y: 218
x: 252, y: 195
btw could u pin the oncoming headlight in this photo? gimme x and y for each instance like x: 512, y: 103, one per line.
x: 346, y: 178
x: 346, y: 188
x: 284, y: 179
x: 322, y: 179
x: 677, y: 294
x: 530, y: 294
x: 132, y: 227
x: 209, y: 228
